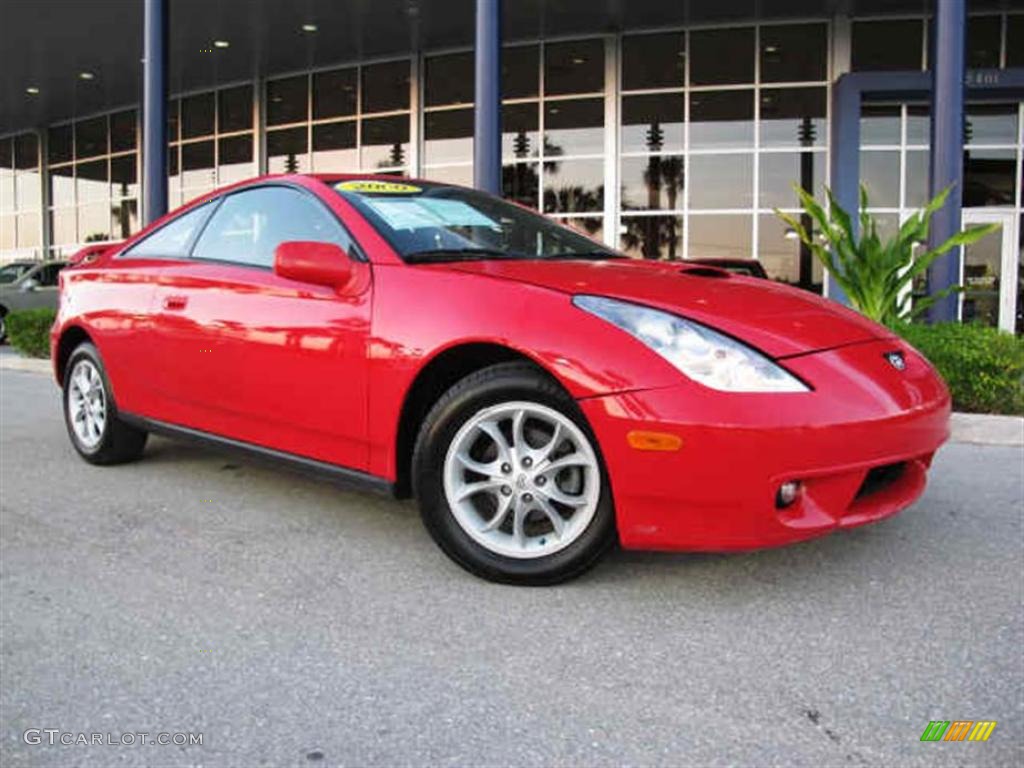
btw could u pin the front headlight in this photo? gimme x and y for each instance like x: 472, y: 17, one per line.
x: 706, y: 356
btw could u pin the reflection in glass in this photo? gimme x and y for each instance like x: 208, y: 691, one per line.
x: 880, y: 173
x: 784, y: 257
x: 591, y: 226
x: 62, y: 186
x: 124, y: 219
x: 92, y: 182
x: 58, y: 147
x: 574, y: 67
x: 91, y: 137
x: 334, y: 93
x: 781, y: 170
x: 653, y: 123
x: 93, y: 222
x: 334, y: 147
x: 448, y: 136
x: 64, y: 226
x: 26, y: 163
x: 287, y: 151
x: 793, y: 53
x: 722, y: 56
x: 573, y: 186
x: 6, y: 232
x: 519, y: 128
x: 386, y: 86
x: 989, y: 176
x: 197, y: 116
x: 721, y: 119
x: 574, y: 127
x: 991, y: 124
x: 886, y: 45
x: 234, y: 109
x: 448, y: 79
x: 984, y: 39
x: 122, y: 131
x: 197, y: 168
x: 879, y: 124
x: 652, y: 237
x: 918, y: 125
x: 1015, y: 54
x: 451, y: 174
x: 654, y: 61
x: 652, y: 183
x: 728, y: 236
x: 29, y: 230
x: 172, y: 120
x: 123, y: 177
x: 982, y: 276
x: 287, y: 100
x: 385, y: 142
x: 917, y: 179
x: 234, y: 159
x: 520, y: 70
x: 519, y: 182
x: 721, y: 181
x: 793, y: 117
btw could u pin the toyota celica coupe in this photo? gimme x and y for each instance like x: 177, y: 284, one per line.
x: 540, y: 394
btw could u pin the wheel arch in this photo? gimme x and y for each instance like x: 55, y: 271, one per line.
x: 433, y: 379
x: 70, y: 337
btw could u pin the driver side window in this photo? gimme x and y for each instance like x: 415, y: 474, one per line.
x: 248, y: 226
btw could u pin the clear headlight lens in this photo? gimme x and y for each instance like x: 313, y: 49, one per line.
x: 706, y: 356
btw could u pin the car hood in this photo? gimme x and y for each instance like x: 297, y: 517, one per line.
x: 777, y: 319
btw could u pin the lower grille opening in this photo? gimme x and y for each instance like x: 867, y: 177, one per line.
x: 880, y: 478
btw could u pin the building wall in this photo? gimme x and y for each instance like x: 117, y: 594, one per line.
x: 668, y: 143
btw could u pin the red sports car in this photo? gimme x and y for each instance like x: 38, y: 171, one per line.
x: 540, y: 394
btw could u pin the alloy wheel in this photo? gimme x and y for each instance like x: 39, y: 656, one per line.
x: 87, y: 404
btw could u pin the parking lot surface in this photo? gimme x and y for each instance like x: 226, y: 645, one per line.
x: 293, y: 623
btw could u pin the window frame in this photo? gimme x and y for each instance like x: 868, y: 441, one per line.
x: 354, y: 252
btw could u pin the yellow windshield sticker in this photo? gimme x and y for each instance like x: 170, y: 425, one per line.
x: 378, y: 187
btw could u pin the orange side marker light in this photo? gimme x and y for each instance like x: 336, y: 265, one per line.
x: 643, y: 440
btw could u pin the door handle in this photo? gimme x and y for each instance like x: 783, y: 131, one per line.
x: 175, y: 303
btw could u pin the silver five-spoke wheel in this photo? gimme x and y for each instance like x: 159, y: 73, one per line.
x: 522, y: 479
x: 87, y: 403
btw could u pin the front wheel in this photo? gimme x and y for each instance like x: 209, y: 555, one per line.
x: 96, y: 432
x: 510, y: 481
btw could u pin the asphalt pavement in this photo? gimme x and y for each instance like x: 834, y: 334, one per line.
x: 291, y: 623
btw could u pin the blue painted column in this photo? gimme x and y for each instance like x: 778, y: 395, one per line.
x: 947, y: 158
x: 154, y: 111
x: 845, y: 170
x: 487, y: 114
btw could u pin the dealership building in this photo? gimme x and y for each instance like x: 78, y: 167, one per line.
x: 669, y: 129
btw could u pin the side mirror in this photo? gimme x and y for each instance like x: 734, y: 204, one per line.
x: 29, y: 285
x: 313, y: 262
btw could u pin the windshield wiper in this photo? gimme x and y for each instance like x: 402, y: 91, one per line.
x: 460, y: 254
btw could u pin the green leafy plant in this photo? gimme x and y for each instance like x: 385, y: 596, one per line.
x: 28, y: 331
x: 984, y: 367
x: 877, y: 274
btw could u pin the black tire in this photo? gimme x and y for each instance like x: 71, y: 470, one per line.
x: 488, y: 387
x: 119, y: 442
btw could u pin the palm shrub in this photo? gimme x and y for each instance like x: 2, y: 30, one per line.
x: 877, y: 274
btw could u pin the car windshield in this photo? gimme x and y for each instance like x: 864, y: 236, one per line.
x: 11, y: 272
x: 433, y: 222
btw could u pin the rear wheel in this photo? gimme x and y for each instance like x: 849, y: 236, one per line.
x: 96, y: 432
x: 509, y: 479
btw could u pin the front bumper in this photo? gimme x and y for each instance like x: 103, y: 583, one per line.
x: 718, y: 491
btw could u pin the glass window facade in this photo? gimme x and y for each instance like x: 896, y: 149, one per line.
x: 668, y: 143
x: 349, y: 119
x: 92, y: 180
x: 20, y: 195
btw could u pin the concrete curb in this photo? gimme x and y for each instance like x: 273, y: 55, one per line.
x: 15, y: 362
x: 977, y: 428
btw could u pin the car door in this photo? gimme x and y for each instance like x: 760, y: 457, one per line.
x: 259, y: 358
